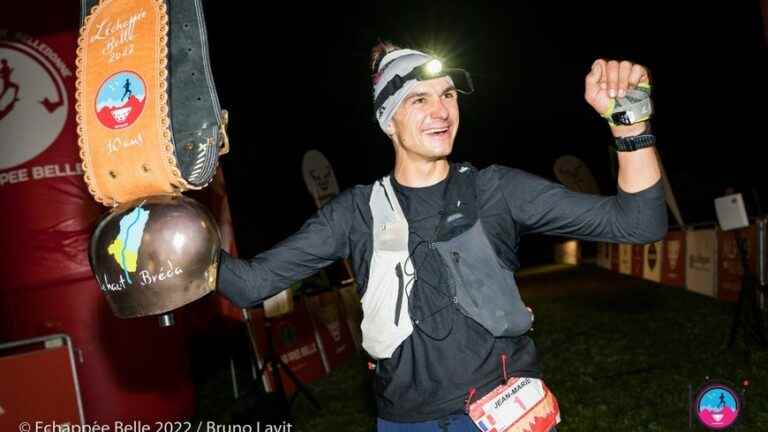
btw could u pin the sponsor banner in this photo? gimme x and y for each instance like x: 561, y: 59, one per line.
x: 331, y: 326
x: 673, y: 259
x: 638, y: 255
x: 652, y: 254
x: 701, y: 262
x: 729, y: 266
x: 293, y: 341
x: 625, y: 259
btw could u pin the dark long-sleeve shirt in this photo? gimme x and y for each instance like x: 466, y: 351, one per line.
x: 429, y: 375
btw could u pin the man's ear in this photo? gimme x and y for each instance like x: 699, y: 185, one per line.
x: 390, y: 128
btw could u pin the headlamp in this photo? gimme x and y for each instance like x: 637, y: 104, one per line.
x: 433, y: 67
x: 429, y: 70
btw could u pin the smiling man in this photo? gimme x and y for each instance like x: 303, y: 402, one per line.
x: 434, y: 248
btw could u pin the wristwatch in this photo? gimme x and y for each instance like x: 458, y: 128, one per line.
x: 632, y: 143
x: 634, y: 107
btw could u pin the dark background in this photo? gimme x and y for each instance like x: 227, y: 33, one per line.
x: 295, y: 77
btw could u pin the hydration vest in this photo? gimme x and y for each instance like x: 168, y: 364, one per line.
x: 485, y: 291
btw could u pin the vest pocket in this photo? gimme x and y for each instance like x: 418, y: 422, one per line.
x: 386, y: 321
x: 485, y: 291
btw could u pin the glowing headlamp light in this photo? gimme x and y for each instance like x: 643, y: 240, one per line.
x: 429, y: 70
x: 433, y: 67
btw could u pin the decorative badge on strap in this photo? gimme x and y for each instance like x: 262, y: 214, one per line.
x: 634, y: 107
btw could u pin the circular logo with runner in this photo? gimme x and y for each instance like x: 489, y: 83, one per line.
x: 717, y: 406
x: 120, y: 100
x: 33, y: 99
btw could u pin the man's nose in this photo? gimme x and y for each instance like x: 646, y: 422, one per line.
x: 439, y: 109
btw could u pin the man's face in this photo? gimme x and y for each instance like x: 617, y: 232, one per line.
x: 425, y: 124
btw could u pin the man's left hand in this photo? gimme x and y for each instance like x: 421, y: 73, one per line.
x: 610, y: 79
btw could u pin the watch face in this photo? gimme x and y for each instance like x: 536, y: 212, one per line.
x: 621, y: 118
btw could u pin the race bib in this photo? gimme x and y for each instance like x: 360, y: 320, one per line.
x: 520, y: 405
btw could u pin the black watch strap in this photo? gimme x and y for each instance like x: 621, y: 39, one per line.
x: 632, y: 143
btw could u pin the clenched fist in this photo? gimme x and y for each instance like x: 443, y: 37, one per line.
x: 610, y: 79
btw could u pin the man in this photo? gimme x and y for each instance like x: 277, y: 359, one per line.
x: 434, y: 245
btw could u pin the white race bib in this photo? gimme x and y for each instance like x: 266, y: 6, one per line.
x: 520, y: 405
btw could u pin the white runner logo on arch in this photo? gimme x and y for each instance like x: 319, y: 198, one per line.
x: 34, y: 104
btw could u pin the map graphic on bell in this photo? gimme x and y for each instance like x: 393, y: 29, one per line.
x: 125, y: 248
x: 120, y: 100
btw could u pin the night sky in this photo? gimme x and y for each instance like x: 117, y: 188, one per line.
x: 295, y: 77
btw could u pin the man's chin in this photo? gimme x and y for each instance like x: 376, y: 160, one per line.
x: 434, y: 155
x: 442, y: 152
x: 439, y: 147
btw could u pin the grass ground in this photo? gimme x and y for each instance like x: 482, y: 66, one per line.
x: 619, y: 353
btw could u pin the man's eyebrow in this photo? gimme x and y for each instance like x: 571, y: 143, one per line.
x: 424, y: 94
x: 416, y: 95
x: 448, y: 89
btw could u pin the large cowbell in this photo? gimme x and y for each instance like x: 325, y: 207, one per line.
x: 155, y: 254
